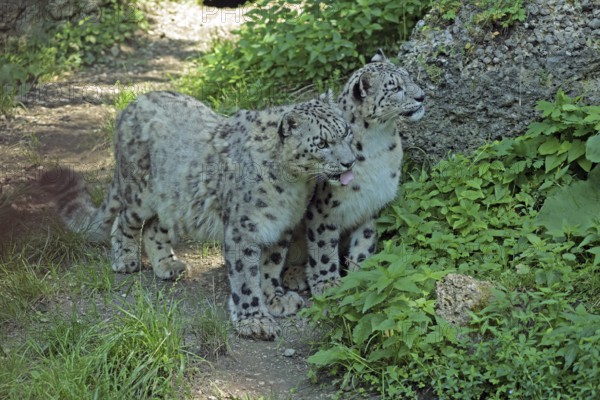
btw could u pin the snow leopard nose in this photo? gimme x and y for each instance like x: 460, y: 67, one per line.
x: 420, y: 97
x: 347, y: 165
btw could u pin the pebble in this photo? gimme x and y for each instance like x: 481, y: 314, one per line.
x: 115, y: 50
x: 595, y: 23
x: 289, y: 352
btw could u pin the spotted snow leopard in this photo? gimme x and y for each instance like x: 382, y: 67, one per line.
x: 340, y: 220
x: 182, y: 170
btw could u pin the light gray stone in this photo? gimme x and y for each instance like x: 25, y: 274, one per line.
x: 479, y: 82
x: 457, y: 295
x: 289, y: 353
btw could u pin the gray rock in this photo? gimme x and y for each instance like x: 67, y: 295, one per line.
x: 496, y: 84
x: 289, y: 353
x: 62, y: 9
x: 114, y: 51
x: 458, y: 294
x: 9, y: 14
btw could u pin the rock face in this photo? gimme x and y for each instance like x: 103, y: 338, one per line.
x: 458, y: 294
x: 483, y: 81
x: 32, y: 17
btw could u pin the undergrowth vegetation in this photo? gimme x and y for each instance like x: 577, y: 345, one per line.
x: 70, y: 329
x: 500, y: 13
x: 33, y: 59
x: 286, y: 44
x: 522, y: 213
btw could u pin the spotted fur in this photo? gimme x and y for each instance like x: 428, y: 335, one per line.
x: 340, y: 220
x: 182, y: 170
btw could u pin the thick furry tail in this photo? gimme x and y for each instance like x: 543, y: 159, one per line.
x: 72, y: 198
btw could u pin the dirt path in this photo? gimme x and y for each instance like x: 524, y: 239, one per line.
x: 68, y: 121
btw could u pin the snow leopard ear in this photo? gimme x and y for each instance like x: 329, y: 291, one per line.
x: 379, y: 56
x: 362, y: 86
x: 287, y: 125
x: 328, y: 98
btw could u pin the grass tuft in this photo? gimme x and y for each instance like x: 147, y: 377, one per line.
x: 137, y: 354
x: 211, y: 329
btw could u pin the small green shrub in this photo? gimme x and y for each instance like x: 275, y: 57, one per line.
x: 503, y: 13
x: 29, y: 60
x: 493, y: 215
x: 287, y: 44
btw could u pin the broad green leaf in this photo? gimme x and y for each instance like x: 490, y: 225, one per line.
x: 471, y: 194
x: 327, y: 357
x: 539, y: 128
x: 553, y: 161
x: 545, y: 107
x: 592, y: 149
x: 585, y: 164
x: 596, y: 252
x: 546, y: 185
x: 575, y: 205
x: 474, y: 183
x: 362, y: 330
x: 570, y: 107
x: 386, y: 325
x: 411, y: 336
x: 550, y: 146
x: 406, y: 285
x: 592, y: 117
x: 373, y: 298
x: 577, y: 150
x: 378, y: 355
x: 534, y: 239
x: 570, y: 353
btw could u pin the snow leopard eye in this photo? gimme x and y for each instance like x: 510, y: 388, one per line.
x: 322, y: 144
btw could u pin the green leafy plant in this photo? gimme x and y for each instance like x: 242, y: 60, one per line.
x: 84, y: 41
x: 375, y: 317
x: 503, y: 13
x: 498, y: 214
x: 286, y: 44
x: 32, y: 59
x: 571, y: 133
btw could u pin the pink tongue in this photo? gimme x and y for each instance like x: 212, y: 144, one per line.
x: 346, y: 177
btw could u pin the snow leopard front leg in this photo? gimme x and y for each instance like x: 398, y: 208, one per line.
x: 323, y: 269
x: 125, y: 242
x: 363, y: 243
x: 157, y: 244
x: 279, y: 301
x: 246, y: 304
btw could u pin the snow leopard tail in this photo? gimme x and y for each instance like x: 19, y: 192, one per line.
x: 72, y: 198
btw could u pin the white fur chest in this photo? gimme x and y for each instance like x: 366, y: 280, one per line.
x: 375, y: 181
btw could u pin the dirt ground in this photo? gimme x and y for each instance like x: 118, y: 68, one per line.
x: 68, y: 121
